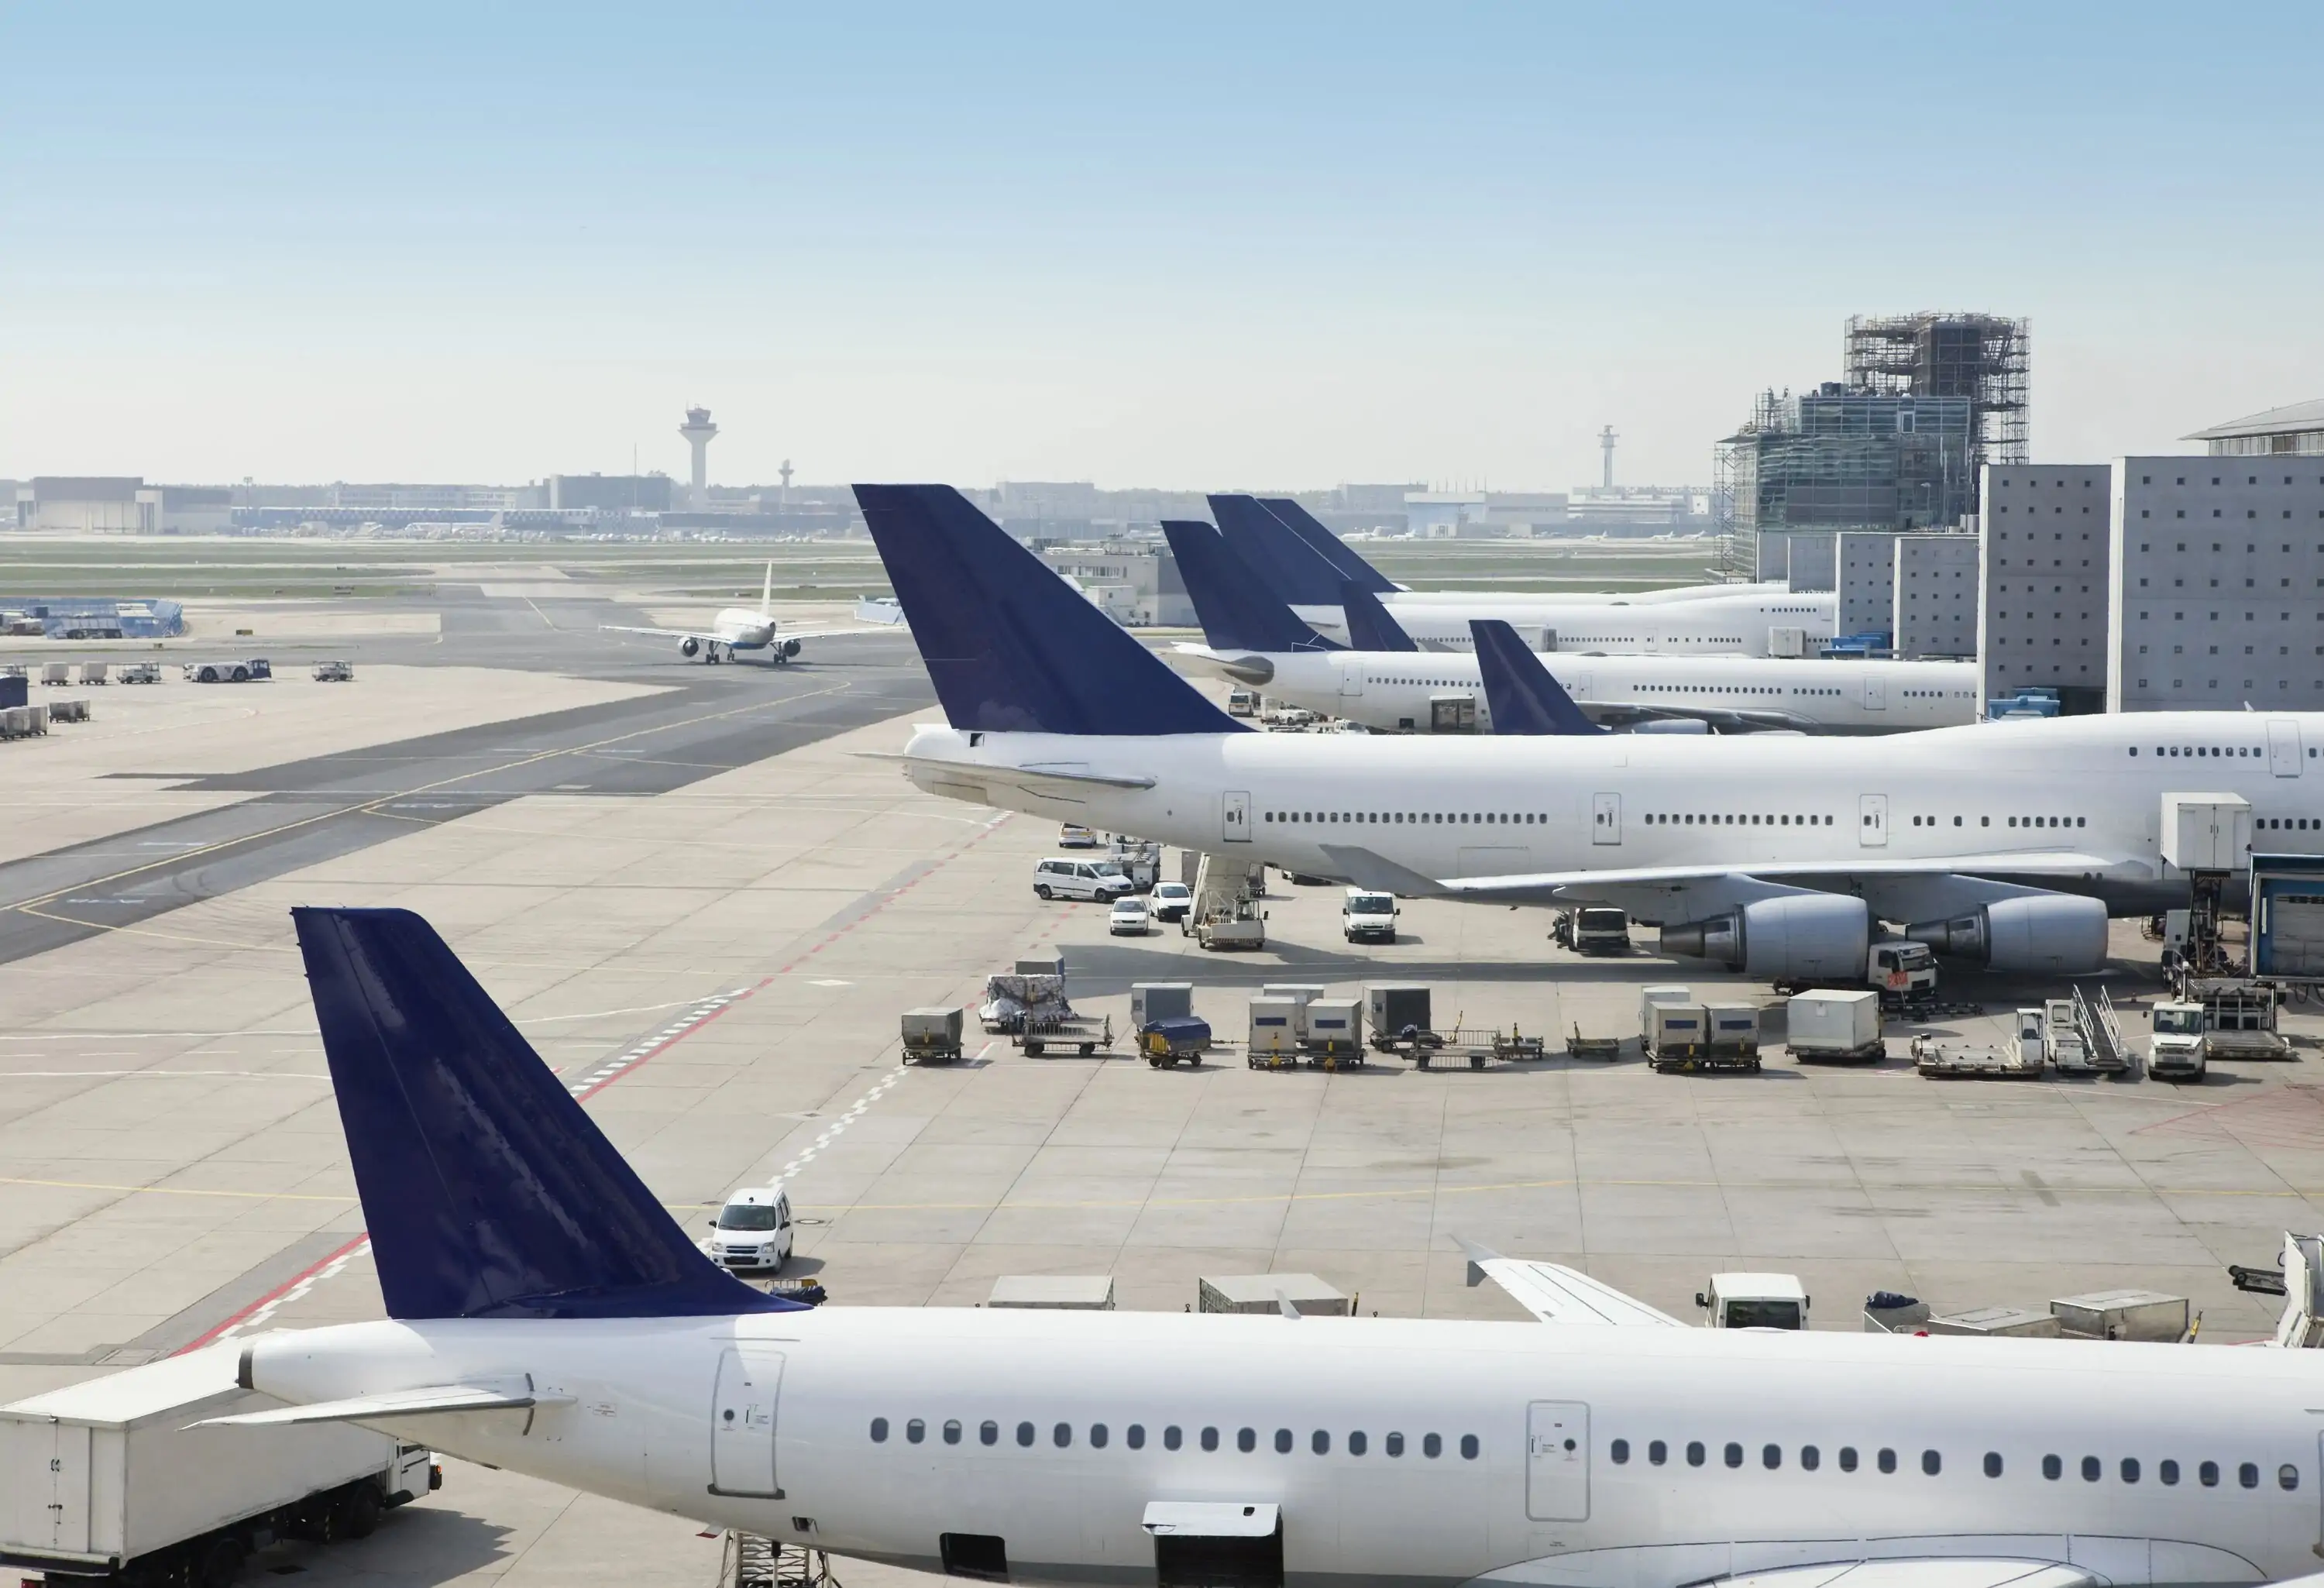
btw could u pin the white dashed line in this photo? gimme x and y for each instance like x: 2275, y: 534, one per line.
x: 837, y: 1126
x: 605, y: 1073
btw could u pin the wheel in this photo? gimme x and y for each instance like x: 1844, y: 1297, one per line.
x: 1088, y: 1049
x: 220, y: 1564
x: 1033, y: 1050
x: 1042, y: 888
x: 1153, y: 1062
x: 359, y: 1510
x: 242, y: 675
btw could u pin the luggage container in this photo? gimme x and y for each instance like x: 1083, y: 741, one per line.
x: 1159, y: 1000
x: 1053, y: 964
x: 1733, y: 1030
x: 1674, y: 1037
x: 1334, y: 1033
x: 1173, y: 1039
x: 1274, y: 1032
x: 92, y: 672
x: 1830, y: 1025
x: 1054, y: 1292
x: 1397, y: 1010
x: 2015, y: 1323
x: 74, y: 710
x: 1267, y: 1293
x: 932, y: 1035
x: 56, y: 673
x: 2122, y: 1315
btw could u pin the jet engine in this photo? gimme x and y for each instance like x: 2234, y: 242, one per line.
x: 1672, y: 724
x: 2059, y: 933
x: 788, y: 648
x: 689, y: 647
x: 1793, y: 937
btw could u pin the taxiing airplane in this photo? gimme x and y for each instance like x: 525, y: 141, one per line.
x: 2009, y: 844
x: 1388, y: 683
x: 547, y: 1317
x: 738, y: 628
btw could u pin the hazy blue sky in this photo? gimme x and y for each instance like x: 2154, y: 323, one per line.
x: 1188, y: 246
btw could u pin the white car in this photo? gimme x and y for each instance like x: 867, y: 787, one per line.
x: 1130, y: 918
x: 1062, y: 877
x: 1172, y: 900
x: 1073, y: 836
x: 752, y: 1232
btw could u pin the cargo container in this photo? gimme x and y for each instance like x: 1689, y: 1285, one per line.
x: 1834, y: 1025
x: 1159, y: 1000
x: 1267, y: 1293
x: 2122, y: 1315
x: 1274, y: 1031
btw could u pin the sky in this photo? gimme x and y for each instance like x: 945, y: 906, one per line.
x: 1201, y: 246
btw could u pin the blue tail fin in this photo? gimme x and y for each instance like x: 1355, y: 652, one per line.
x: 1327, y: 545
x: 1012, y: 647
x: 1296, y: 570
x: 1519, y: 691
x: 1236, y: 610
x: 1369, y: 627
x: 489, y: 1192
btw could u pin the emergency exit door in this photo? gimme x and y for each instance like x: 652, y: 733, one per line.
x: 1351, y: 678
x: 1605, y: 819
x: 1872, y: 820
x: 1557, y: 1460
x: 1876, y: 692
x: 2283, y: 747
x: 743, y: 1422
x: 1234, y: 818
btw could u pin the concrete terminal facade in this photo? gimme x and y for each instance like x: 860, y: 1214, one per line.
x: 1936, y: 595
x: 2042, y: 611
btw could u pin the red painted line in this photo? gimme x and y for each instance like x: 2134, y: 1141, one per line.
x: 273, y: 1296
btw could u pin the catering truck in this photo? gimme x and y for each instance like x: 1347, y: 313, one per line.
x: 127, y: 1478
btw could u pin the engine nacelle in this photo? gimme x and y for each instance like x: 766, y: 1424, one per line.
x: 2060, y: 934
x: 689, y: 647
x: 1795, y: 938
x: 1672, y: 724
x: 789, y: 648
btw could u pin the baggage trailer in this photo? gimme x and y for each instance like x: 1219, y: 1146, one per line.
x: 1170, y: 1039
x: 932, y: 1035
x: 1042, y: 1031
x: 1332, y: 1032
x: 124, y: 1477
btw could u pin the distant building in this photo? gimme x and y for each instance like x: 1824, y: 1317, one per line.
x: 1136, y: 583
x: 2043, y: 609
x: 1936, y: 595
x: 1864, y: 577
x: 1646, y: 510
x: 2298, y: 430
x: 419, y: 498
x: 80, y: 504
x: 1447, y: 515
x: 610, y: 493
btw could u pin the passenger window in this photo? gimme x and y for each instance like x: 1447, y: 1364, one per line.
x: 1771, y: 1457
x: 1887, y: 1461
x: 1097, y: 1436
x: 951, y: 1432
x: 2287, y: 1477
x: 1432, y: 1445
x: 2247, y: 1475
x: 1733, y: 1453
x: 1282, y: 1441
x: 1619, y: 1451
x: 1694, y: 1452
x: 1025, y: 1433
x: 1811, y: 1457
x: 1134, y: 1435
x: 915, y: 1430
x: 987, y: 1433
x: 1932, y: 1463
x: 2168, y: 1471
x: 2207, y: 1474
x: 879, y: 1430
x: 2091, y: 1469
x: 1356, y: 1442
x: 1246, y: 1440
x: 2129, y: 1470
x: 1171, y: 1437
x: 1658, y: 1452
x: 1469, y: 1448
x: 1395, y: 1446
x: 1062, y: 1434
x: 1993, y: 1463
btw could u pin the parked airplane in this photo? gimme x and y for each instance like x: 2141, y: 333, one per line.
x: 2007, y: 843
x: 1254, y: 638
x: 546, y: 1315
x: 738, y: 628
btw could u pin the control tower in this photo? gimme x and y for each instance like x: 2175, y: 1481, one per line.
x: 697, y: 430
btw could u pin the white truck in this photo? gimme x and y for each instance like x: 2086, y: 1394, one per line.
x: 1755, y: 1301
x: 120, y: 1478
x: 1367, y: 916
x: 1904, y: 971
x: 2175, y: 1049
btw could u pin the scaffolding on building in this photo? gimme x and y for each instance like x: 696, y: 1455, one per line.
x: 1984, y: 358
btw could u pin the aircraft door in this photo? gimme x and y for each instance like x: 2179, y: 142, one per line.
x: 1557, y: 1460
x: 1605, y: 819
x: 743, y: 1422
x: 1876, y: 692
x: 1872, y: 820
x: 2283, y: 747
x: 1351, y: 678
x: 1234, y: 821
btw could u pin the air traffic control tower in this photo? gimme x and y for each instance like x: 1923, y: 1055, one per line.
x: 697, y: 430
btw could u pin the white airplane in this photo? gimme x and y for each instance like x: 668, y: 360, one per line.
x: 2005, y: 843
x: 738, y: 628
x: 1254, y: 638
x: 547, y: 1317
x: 1708, y: 620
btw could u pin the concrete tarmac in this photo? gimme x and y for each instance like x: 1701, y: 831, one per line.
x: 713, y: 941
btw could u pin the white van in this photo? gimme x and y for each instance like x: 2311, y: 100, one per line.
x: 752, y: 1232
x: 1061, y: 877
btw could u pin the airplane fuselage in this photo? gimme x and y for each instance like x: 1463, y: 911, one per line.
x: 1400, y: 1452
x: 1711, y: 625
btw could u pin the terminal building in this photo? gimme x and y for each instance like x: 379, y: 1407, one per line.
x: 2042, y: 607
x: 1136, y: 583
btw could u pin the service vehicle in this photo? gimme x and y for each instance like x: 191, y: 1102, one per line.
x: 1755, y: 1301
x: 2174, y: 1049
x: 1242, y: 703
x: 1369, y: 917
x: 142, y: 672
x: 133, y: 1478
x: 1593, y: 929
x: 254, y: 669
x: 335, y: 672
x: 752, y: 1232
x: 1172, y: 900
x: 1168, y: 1040
x: 1904, y: 972
x: 1063, y: 877
x: 1073, y: 836
x: 1130, y: 918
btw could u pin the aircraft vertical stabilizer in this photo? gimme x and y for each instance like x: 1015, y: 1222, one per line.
x: 1236, y: 609
x: 1292, y: 569
x: 1370, y: 626
x: 1522, y: 696
x: 1327, y: 545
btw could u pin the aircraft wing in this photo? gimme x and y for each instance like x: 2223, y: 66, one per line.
x: 1918, y: 1572
x: 1556, y: 1293
x: 433, y: 1400
x: 1367, y: 869
x: 698, y: 634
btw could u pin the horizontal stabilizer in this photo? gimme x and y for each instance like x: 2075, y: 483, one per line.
x: 489, y: 1191
x: 1055, y: 782
x: 1556, y: 1293
x: 1370, y: 626
x: 1237, y: 609
x: 1523, y: 696
x: 441, y: 1399
x: 1010, y: 646
x: 1365, y: 869
x: 1327, y: 545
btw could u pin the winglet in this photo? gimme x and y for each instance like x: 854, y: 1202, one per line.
x: 489, y: 1191
x: 1008, y: 646
x: 1523, y: 696
x: 1477, y: 1256
x: 1328, y: 546
x: 1369, y: 627
x: 1237, y: 609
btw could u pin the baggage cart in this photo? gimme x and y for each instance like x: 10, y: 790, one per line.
x: 1174, y: 1039
x: 1042, y: 1032
x: 92, y: 672
x: 1269, y: 1293
x: 2122, y: 1315
x: 932, y: 1035
x: 1599, y: 1050
x: 56, y: 673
